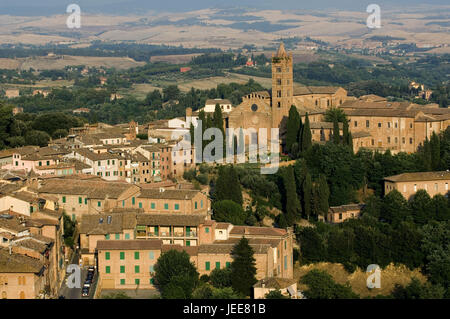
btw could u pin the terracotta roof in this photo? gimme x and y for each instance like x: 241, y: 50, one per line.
x: 170, y: 219
x: 217, y: 101
x: 144, y: 244
x: 222, y: 225
x: 275, y: 283
x: 180, y: 194
x: 96, y: 156
x: 346, y: 208
x: 419, y: 176
x: 98, y: 224
x: 323, y: 125
x: 90, y: 188
x: 360, y: 134
x: 17, y: 263
x: 25, y: 196
x: 11, y: 224
x: 262, y: 231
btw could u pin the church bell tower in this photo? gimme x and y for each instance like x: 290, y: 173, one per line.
x: 282, y: 85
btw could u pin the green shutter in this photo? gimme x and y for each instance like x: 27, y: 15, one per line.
x: 136, y: 255
x: 64, y: 199
x: 122, y: 269
x: 107, y: 255
x: 136, y: 269
x: 217, y: 264
x: 117, y: 236
x: 122, y: 281
x: 122, y: 255
x: 207, y: 230
x: 153, y: 205
x: 80, y: 200
x: 177, y: 206
x: 127, y: 236
x: 108, y: 269
x: 166, y: 206
x: 107, y: 236
x: 85, y: 201
x: 228, y: 264
x: 207, y: 265
x: 137, y: 281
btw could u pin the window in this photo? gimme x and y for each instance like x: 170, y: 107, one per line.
x: 217, y: 264
x: 389, y: 124
x: 137, y: 281
x: 140, y: 205
x: 367, y: 123
x: 136, y: 255
x: 207, y: 265
x: 117, y: 236
x: 152, y: 255
x: 136, y: 269
x: 201, y: 203
x: 285, y: 263
x: 152, y: 281
x: 152, y: 268
x: 152, y: 205
x: 133, y: 200
x: 166, y: 206
x: 403, y: 140
x: 122, y: 281
x: 207, y: 230
x: 64, y: 199
x: 127, y: 236
x: 195, y: 205
x: 108, y: 269
x: 415, y: 187
x: 379, y: 124
x: 340, y: 215
x: 177, y: 206
x: 446, y: 186
x: 228, y: 264
x: 80, y: 200
x: 107, y: 255
x: 410, y: 140
x: 85, y: 201
x: 389, y: 140
x: 107, y: 236
x: 356, y: 124
x: 122, y: 255
x: 99, y: 204
x: 122, y: 269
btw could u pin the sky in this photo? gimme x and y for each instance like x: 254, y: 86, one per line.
x: 122, y: 7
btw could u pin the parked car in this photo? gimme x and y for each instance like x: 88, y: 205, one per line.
x: 91, y: 269
x: 85, y: 292
x: 87, y: 284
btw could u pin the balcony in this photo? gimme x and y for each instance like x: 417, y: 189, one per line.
x: 191, y: 234
x: 178, y: 234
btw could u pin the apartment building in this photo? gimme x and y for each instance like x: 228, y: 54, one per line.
x: 409, y: 183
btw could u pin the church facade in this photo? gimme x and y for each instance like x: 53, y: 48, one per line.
x: 270, y: 109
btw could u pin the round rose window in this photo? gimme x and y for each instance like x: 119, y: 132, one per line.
x: 254, y: 107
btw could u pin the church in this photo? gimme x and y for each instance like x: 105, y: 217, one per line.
x: 270, y: 109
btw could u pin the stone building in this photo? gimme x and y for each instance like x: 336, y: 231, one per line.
x: 409, y: 183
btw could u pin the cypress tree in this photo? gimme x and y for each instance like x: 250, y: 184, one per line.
x: 323, y: 193
x: 345, y: 132
x: 243, y: 267
x: 306, y: 135
x: 292, y: 204
x: 218, y: 123
x: 235, y: 186
x: 336, y: 137
x: 426, y: 155
x: 307, y: 195
x: 191, y: 131
x: 292, y: 128
x: 435, y: 150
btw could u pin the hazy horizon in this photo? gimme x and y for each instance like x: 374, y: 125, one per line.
x: 122, y: 7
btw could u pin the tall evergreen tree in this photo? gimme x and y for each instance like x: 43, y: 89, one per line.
x: 292, y: 128
x: 243, y: 267
x: 307, y: 195
x: 435, y: 150
x: 306, y: 135
x: 228, y: 186
x: 336, y: 137
x: 292, y: 204
x: 323, y: 193
x: 345, y: 133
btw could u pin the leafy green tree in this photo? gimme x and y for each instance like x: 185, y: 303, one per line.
x: 312, y: 245
x: 38, y: 138
x: 416, y: 290
x: 243, y: 267
x: 221, y: 278
x: 229, y: 211
x: 322, y: 286
x: 321, y: 193
x: 175, y: 275
x: 394, y: 207
x: 225, y: 293
x: 275, y: 294
x: 421, y: 207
